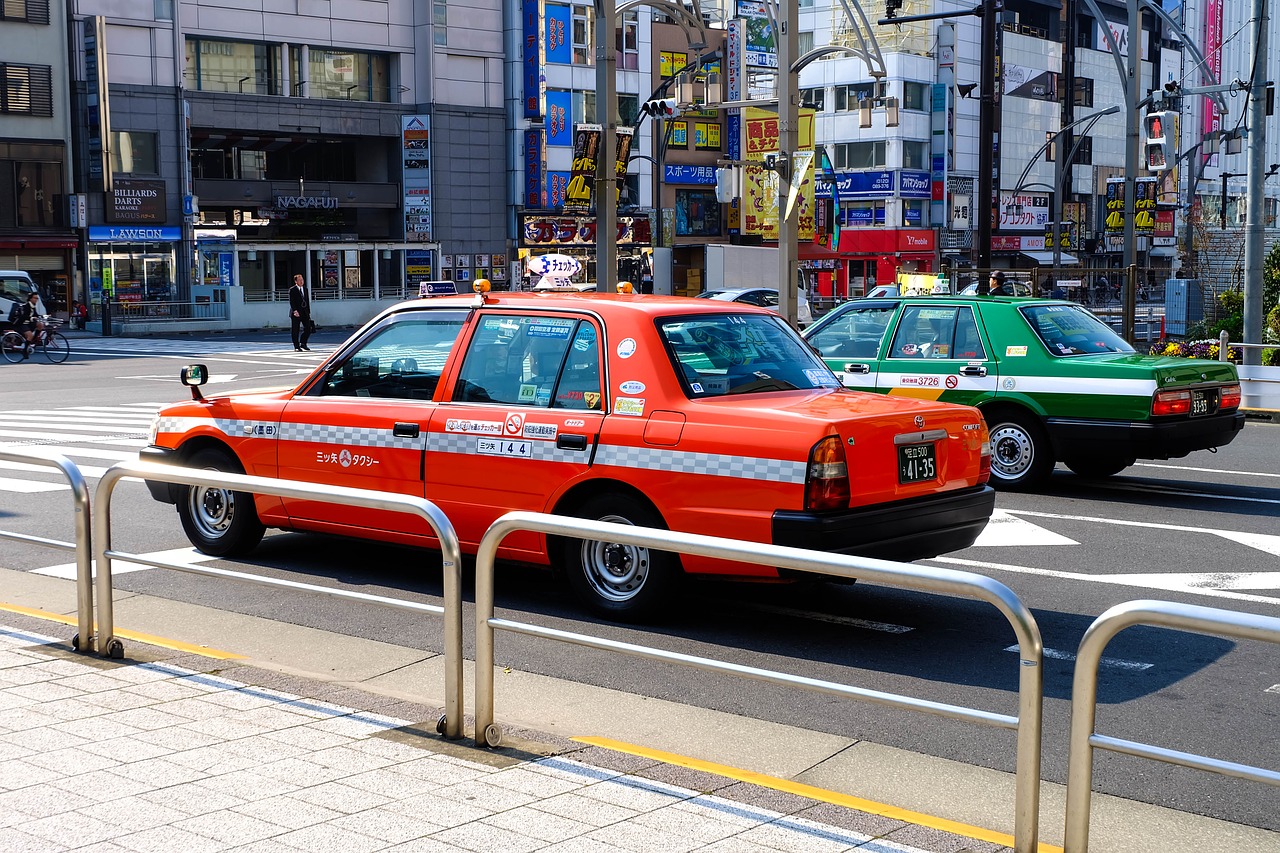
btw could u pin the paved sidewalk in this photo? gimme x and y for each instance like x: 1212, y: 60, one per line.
x: 169, y: 751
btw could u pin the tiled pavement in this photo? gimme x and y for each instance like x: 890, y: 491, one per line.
x: 176, y: 752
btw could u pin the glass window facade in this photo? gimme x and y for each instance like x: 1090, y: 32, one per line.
x: 697, y: 213
x: 349, y: 75
x: 214, y: 65
x: 133, y: 152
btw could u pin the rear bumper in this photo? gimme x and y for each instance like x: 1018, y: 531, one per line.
x: 168, y: 493
x: 1157, y: 439
x: 907, y: 530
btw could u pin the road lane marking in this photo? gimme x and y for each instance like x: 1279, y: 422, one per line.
x: 1267, y: 542
x: 1114, y: 663
x: 822, y: 795
x: 1006, y: 530
x: 10, y: 484
x: 1147, y: 490
x: 1205, y: 470
x: 1139, y: 581
x: 184, y: 556
x: 86, y: 470
x: 1275, y: 688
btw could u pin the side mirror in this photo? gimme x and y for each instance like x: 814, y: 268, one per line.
x: 193, y: 376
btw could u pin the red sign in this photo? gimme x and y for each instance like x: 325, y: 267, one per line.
x: 542, y: 231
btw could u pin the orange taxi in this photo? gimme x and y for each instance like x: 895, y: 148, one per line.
x: 687, y: 414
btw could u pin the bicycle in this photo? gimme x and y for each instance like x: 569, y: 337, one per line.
x: 52, y: 342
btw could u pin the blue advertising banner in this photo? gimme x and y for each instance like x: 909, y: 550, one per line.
x: 879, y: 184
x: 533, y: 168
x: 675, y: 174
x: 558, y: 49
x: 226, y: 264
x: 557, y: 185
x: 559, y: 109
x: 535, y: 82
x: 126, y: 234
x: 854, y: 216
x: 913, y: 184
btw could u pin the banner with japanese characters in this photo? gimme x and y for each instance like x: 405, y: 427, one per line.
x: 760, y: 185
x: 586, y: 154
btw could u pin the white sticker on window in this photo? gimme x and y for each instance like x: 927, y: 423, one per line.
x: 631, y: 387
x: 626, y: 347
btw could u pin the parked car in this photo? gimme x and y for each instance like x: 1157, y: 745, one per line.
x: 1054, y: 382
x: 690, y: 414
x: 766, y: 297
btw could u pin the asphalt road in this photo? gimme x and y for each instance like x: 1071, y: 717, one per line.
x: 1200, y: 530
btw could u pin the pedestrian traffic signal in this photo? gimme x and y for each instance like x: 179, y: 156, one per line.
x: 892, y: 8
x: 1160, y: 129
x: 661, y: 108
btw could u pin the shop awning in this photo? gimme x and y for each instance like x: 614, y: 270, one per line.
x: 817, y: 256
x: 1045, y: 259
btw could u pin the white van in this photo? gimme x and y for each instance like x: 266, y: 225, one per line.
x: 15, y: 285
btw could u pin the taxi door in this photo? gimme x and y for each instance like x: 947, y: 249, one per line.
x: 363, y: 423
x: 522, y: 420
x: 938, y: 352
x: 850, y: 342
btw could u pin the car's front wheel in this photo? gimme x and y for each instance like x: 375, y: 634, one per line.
x: 616, y: 580
x: 1020, y: 454
x: 1099, y: 467
x: 219, y: 522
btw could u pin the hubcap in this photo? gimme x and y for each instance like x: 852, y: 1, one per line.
x: 1011, y: 452
x: 616, y: 572
x: 212, y: 510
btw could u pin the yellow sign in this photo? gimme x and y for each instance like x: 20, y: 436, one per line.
x: 760, y: 186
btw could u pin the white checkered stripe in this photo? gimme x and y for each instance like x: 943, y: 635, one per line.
x: 346, y: 436
x: 226, y: 426
x: 540, y: 450
x: 714, y: 464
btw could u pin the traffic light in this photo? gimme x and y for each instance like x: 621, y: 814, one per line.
x: 892, y: 8
x: 1161, y: 149
x: 661, y: 108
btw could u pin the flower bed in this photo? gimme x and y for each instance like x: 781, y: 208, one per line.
x: 1193, y: 349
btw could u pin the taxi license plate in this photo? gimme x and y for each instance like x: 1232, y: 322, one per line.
x: 917, y: 463
x: 1203, y: 403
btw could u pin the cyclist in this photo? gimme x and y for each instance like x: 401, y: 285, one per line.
x: 26, y: 321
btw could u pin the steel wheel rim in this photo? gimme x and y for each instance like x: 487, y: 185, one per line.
x: 1012, y: 452
x: 614, y: 571
x: 12, y: 346
x: 212, y: 510
x: 56, y: 349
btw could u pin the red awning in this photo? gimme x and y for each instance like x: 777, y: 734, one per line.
x: 816, y: 252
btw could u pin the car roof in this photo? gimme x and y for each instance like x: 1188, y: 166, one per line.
x: 601, y: 303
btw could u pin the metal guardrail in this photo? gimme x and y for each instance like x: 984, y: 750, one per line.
x: 1084, y: 700
x: 108, y: 646
x: 1030, y: 671
x: 165, y: 312
x: 82, y: 546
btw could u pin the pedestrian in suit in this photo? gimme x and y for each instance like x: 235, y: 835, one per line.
x: 299, y: 314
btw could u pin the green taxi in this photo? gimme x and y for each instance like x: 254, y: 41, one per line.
x: 1053, y: 381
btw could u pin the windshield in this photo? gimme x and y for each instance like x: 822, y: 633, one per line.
x: 741, y: 353
x: 1072, y: 330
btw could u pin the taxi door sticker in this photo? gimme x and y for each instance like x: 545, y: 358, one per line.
x: 514, y: 424
x: 504, y: 447
x: 629, y: 406
x: 1011, y: 351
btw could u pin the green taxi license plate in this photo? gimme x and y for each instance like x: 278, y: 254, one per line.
x: 1204, y: 402
x: 917, y: 463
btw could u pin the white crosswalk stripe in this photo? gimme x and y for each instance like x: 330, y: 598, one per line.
x: 93, y: 437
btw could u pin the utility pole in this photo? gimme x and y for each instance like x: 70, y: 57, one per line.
x: 1133, y: 123
x: 606, y: 159
x: 988, y: 131
x: 1253, y: 247
x: 788, y: 142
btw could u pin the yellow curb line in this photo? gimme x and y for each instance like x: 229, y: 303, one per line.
x: 821, y: 794
x: 136, y: 636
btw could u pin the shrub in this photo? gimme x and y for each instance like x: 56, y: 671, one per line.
x: 1192, y: 349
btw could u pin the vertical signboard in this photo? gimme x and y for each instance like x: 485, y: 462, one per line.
x: 1212, y: 49
x: 760, y: 48
x: 586, y: 153
x: 623, y: 153
x: 535, y: 157
x: 415, y: 146
x: 559, y: 108
x: 760, y: 186
x: 535, y: 79
x: 557, y: 48
x: 97, y: 102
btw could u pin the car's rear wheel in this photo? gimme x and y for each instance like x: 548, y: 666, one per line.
x: 219, y: 522
x: 1020, y: 454
x: 616, y: 580
x: 1099, y: 467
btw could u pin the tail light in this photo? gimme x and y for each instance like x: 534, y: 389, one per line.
x: 984, y: 466
x: 826, y: 486
x: 1171, y: 403
x: 1229, y: 397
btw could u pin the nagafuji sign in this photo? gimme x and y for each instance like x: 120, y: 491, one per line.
x: 319, y: 202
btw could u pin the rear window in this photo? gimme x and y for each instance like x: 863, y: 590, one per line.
x: 741, y: 354
x: 1072, y: 330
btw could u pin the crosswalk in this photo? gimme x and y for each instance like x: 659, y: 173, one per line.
x: 93, y: 437
x: 150, y: 347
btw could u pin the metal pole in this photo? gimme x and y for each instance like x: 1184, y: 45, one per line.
x: 988, y: 129
x: 606, y: 166
x: 788, y: 144
x: 1133, y: 122
x: 1254, y: 246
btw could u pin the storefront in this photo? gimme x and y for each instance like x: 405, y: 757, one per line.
x: 133, y: 264
x: 47, y: 260
x: 565, y: 234
x: 876, y: 255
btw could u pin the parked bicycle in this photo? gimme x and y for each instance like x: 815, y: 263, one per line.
x: 49, y: 340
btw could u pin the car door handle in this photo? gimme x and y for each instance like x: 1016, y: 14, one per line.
x: 405, y: 430
x: 570, y: 441
x: 973, y: 370
x: 857, y: 368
